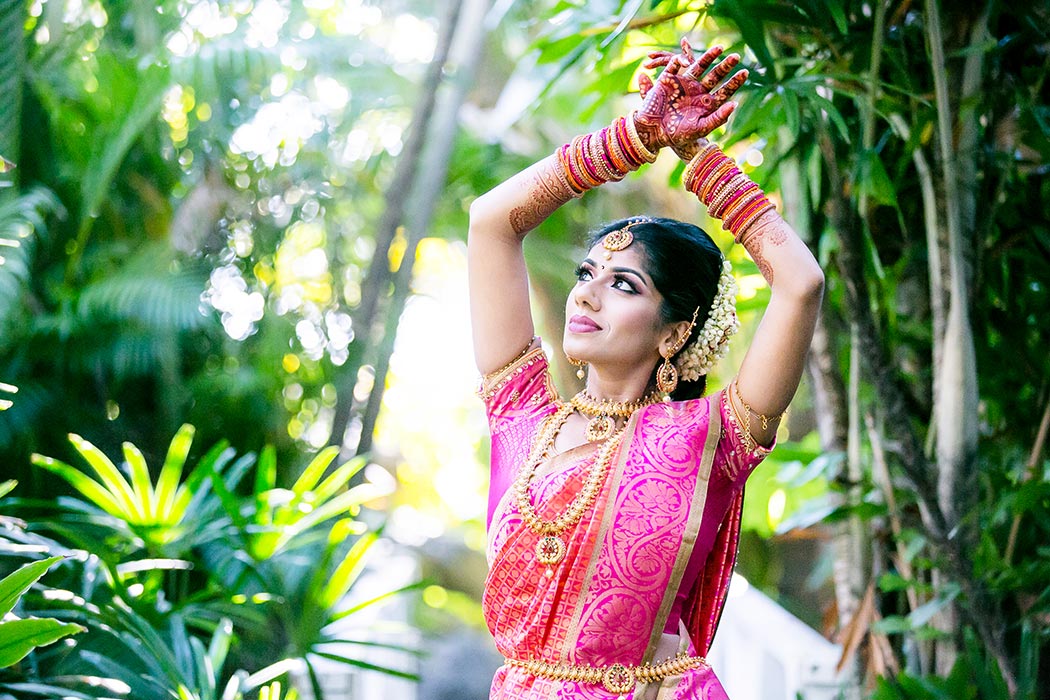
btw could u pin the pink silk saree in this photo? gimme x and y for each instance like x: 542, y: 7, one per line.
x: 653, y: 557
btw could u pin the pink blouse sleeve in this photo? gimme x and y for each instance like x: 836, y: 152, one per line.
x: 736, y: 456
x: 521, y: 388
x: 517, y: 399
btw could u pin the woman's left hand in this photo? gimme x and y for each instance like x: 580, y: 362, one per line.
x: 683, y: 107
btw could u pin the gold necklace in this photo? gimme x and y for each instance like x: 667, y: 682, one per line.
x: 603, y: 412
x: 551, y: 548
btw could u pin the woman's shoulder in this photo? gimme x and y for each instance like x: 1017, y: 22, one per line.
x: 523, y: 386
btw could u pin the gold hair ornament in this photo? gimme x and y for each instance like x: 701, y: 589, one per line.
x: 621, y: 238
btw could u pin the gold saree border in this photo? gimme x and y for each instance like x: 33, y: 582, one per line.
x: 692, y: 530
x: 572, y: 636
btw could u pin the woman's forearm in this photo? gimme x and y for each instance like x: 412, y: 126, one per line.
x: 783, y: 258
x: 522, y: 203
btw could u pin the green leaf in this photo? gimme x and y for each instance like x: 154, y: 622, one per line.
x: 379, y: 598
x: 14, y: 585
x: 88, y: 487
x: 219, y: 647
x: 112, y: 479
x: 5, y: 487
x: 832, y: 112
x: 315, y: 470
x: 348, y: 570
x: 266, y: 471
x: 337, y: 479
x: 365, y: 665
x: 171, y: 474
x: 19, y: 637
x: 789, y: 104
x: 142, y: 485
x: 838, y: 14
x: 873, y: 180
x: 150, y: 85
x: 625, y: 20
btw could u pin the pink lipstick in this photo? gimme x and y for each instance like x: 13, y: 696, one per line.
x: 582, y: 324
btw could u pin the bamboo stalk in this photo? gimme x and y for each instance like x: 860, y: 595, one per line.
x: 881, y: 474
x: 1030, y: 474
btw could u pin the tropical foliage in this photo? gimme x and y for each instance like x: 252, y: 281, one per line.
x: 205, y: 581
x: 219, y: 207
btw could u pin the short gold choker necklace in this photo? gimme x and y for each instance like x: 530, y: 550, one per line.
x: 603, y: 412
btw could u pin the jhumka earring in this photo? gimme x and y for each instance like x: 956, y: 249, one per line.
x: 578, y: 364
x: 667, y: 374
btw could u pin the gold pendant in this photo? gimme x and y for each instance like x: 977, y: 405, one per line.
x: 599, y: 428
x: 550, y: 549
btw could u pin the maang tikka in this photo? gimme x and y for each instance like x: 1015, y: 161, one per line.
x: 621, y: 238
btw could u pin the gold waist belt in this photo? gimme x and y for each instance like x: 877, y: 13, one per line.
x: 617, y: 678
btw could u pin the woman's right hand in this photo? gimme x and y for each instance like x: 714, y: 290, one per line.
x: 686, y: 104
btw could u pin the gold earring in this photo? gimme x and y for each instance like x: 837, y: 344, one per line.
x: 667, y: 376
x: 579, y: 364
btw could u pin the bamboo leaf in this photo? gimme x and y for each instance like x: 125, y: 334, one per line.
x: 266, y: 471
x: 348, y: 570
x: 833, y: 114
x: 337, y: 506
x: 838, y: 14
x: 367, y: 666
x: 625, y: 20
x: 379, y: 598
x: 873, y: 180
x: 337, y: 479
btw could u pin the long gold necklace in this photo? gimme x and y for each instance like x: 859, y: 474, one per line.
x: 603, y: 412
x: 551, y: 548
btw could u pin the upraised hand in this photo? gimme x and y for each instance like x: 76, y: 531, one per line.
x: 686, y: 104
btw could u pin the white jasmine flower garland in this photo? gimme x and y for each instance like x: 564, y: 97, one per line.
x: 712, y: 342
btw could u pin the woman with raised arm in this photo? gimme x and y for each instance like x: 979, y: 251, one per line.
x: 614, y: 515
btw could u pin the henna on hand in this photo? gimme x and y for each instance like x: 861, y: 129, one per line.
x: 682, y: 106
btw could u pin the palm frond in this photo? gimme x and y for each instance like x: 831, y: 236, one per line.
x: 149, y: 292
x: 20, y: 218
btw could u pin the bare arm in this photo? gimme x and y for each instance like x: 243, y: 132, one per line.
x: 678, y: 109
x: 500, y: 312
x: 773, y: 364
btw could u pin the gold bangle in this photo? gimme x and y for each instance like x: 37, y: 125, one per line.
x: 737, y: 205
x: 636, y: 140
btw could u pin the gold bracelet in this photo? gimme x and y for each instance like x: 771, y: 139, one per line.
x: 636, y: 140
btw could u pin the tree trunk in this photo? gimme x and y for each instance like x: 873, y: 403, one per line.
x: 377, y: 281
x: 428, y: 185
x: 956, y: 399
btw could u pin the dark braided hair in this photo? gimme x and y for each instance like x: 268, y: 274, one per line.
x: 685, y: 266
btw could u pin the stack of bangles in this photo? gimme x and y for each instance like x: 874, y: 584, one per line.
x: 728, y: 193
x: 603, y: 156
